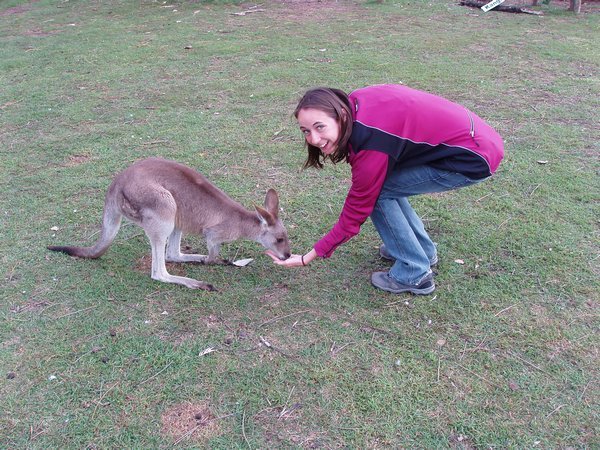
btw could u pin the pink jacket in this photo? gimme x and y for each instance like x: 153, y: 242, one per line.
x: 395, y: 127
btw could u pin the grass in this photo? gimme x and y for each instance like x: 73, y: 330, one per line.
x: 95, y: 354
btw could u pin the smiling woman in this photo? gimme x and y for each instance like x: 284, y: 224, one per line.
x: 319, y: 129
x: 399, y: 142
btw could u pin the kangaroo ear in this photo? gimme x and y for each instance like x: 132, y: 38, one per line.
x: 265, y: 216
x: 272, y: 203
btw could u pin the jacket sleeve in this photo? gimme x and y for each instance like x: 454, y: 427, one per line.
x: 369, y: 169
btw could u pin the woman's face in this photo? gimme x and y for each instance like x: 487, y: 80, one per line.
x: 319, y: 129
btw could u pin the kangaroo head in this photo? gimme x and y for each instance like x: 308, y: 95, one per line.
x: 273, y: 235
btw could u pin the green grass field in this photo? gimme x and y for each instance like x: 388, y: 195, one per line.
x: 95, y: 354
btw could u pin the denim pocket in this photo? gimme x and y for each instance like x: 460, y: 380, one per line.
x: 453, y: 180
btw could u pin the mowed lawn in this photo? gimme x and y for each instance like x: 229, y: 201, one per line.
x: 95, y: 354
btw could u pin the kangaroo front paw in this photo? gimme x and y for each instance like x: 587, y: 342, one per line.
x: 202, y: 285
x: 219, y: 262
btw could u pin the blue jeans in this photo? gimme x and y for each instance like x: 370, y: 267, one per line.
x: 401, y: 230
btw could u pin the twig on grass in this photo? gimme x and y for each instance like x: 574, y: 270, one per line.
x: 475, y: 349
x: 480, y: 377
x: 156, y: 374
x: 481, y: 198
x: 99, y: 401
x: 527, y: 362
x: 244, y: 428
x: 125, y: 239
x: 33, y: 436
x: 505, y: 309
x: 533, y: 190
x: 554, y: 410
x: 272, y: 347
x: 220, y: 318
x: 334, y: 351
x: 160, y: 141
x: 505, y: 222
x: 583, y: 392
x: 11, y: 273
x: 75, y: 312
x: 285, y: 410
x: 368, y: 327
x: 249, y: 11
x: 283, y: 317
x: 389, y: 305
x: 462, y: 355
x: 94, y: 350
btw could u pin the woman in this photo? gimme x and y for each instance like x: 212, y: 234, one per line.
x: 399, y: 142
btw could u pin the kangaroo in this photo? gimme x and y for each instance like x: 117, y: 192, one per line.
x: 168, y: 199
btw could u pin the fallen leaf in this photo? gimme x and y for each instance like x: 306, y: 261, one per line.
x: 206, y: 351
x: 459, y: 261
x: 441, y: 342
x: 55, y: 228
x: 243, y: 262
x: 542, y: 162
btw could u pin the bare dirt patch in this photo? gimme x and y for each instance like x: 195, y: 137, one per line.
x: 14, y: 10
x: 308, y: 10
x: 282, y: 425
x: 39, y: 33
x: 190, y: 422
x: 76, y: 160
x: 274, y: 296
x: 144, y: 265
x: 30, y: 305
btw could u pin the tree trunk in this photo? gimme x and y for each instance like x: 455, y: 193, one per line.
x: 575, y: 6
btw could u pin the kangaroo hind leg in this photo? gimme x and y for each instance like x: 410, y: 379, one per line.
x: 159, y: 224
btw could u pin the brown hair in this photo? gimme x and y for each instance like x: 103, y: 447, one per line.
x: 336, y: 105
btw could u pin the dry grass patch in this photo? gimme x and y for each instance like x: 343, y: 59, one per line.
x: 144, y: 265
x: 188, y: 421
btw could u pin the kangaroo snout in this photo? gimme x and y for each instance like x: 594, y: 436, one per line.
x: 283, y: 256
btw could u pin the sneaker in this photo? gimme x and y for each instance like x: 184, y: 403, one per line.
x: 383, y: 252
x: 382, y: 280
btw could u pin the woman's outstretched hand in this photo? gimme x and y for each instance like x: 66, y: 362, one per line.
x: 293, y: 260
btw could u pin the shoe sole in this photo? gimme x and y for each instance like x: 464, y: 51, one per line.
x: 413, y: 290
x: 424, y: 291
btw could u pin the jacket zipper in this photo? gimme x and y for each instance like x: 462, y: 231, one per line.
x: 472, y: 128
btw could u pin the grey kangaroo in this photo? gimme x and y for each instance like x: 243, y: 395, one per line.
x: 168, y: 199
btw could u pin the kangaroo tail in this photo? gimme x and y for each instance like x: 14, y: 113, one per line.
x: 111, y: 222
